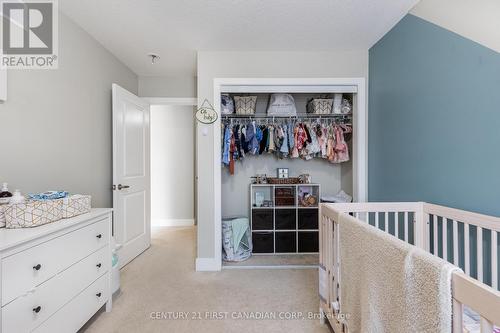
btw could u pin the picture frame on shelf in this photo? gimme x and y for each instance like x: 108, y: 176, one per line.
x: 282, y: 173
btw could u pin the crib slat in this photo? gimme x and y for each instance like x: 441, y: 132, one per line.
x: 494, y: 260
x: 486, y: 326
x: 466, y: 249
x: 480, y: 254
x: 376, y: 219
x: 435, y: 228
x: 455, y: 243
x: 406, y: 226
x: 396, y: 224
x: 386, y: 221
x: 445, y: 238
x: 457, y: 316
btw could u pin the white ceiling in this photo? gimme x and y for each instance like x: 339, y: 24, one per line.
x: 176, y: 29
x: 481, y: 24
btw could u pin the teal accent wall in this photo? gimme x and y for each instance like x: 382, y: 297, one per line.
x: 434, y: 120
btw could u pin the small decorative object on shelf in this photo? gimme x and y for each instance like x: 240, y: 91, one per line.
x: 282, y: 172
x: 267, y: 203
x: 260, y: 179
x: 305, y: 178
x: 291, y: 180
x: 5, y: 195
x: 259, y: 199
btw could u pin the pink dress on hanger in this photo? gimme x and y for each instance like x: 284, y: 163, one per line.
x: 341, y: 149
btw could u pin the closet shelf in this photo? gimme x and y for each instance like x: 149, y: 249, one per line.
x: 299, y: 116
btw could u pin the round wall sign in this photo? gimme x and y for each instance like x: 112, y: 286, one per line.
x: 206, y: 114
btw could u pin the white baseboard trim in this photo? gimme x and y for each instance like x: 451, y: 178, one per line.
x: 208, y: 265
x: 172, y: 222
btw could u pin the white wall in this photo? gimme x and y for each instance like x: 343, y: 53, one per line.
x: 162, y: 86
x: 475, y: 20
x: 254, y: 64
x: 172, y: 165
x: 56, y: 124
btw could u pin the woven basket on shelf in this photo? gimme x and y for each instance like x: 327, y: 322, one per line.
x: 291, y: 180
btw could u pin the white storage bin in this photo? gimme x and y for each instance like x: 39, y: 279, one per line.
x: 282, y: 105
x: 2, y: 216
x: 320, y: 106
x: 74, y: 205
x: 32, y: 213
x: 245, y: 105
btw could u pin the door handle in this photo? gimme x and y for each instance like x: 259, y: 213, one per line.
x: 120, y: 186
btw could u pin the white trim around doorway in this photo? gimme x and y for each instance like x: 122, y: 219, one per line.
x: 298, y: 85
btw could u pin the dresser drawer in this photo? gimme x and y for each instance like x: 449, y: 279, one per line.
x: 20, y: 315
x: 77, y: 312
x: 25, y: 270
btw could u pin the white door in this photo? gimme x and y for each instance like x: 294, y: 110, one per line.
x: 131, y: 174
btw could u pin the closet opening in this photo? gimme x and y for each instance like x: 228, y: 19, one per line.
x: 283, y: 149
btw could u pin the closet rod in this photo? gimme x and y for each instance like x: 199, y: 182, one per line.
x: 313, y: 116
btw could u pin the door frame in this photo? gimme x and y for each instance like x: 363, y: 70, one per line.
x: 360, y: 132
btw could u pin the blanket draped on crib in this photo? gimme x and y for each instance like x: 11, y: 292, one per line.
x: 387, y: 285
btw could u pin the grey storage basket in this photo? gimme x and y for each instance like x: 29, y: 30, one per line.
x: 320, y: 106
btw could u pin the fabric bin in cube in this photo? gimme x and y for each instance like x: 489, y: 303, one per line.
x: 75, y: 205
x: 32, y: 213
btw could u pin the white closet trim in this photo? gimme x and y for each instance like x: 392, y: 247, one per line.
x: 310, y: 85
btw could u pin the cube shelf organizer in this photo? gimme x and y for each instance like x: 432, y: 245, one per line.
x: 282, y: 220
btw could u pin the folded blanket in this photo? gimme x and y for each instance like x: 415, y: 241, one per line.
x: 49, y: 195
x: 388, y: 285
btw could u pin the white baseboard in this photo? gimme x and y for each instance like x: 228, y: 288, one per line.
x: 172, y: 222
x: 208, y: 265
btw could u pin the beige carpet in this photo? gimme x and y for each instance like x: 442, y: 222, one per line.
x: 277, y: 260
x: 163, y: 279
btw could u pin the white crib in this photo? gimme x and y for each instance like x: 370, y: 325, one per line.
x: 443, y: 231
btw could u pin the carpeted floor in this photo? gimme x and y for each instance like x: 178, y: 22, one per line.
x: 161, y: 284
x: 306, y: 260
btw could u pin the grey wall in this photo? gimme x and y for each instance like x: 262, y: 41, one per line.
x: 56, y: 124
x: 253, y: 64
x: 162, y: 86
x: 434, y: 121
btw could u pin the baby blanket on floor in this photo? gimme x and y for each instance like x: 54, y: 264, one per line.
x: 390, y: 286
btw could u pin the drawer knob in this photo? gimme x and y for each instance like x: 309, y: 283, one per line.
x: 37, y: 309
x: 98, y: 294
x: 99, y: 265
x: 99, y: 236
x: 37, y: 267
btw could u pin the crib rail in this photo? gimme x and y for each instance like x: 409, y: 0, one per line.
x: 468, y: 240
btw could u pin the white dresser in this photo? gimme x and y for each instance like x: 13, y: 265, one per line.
x: 56, y: 276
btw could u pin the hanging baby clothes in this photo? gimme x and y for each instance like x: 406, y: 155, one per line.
x: 313, y: 147
x: 263, y: 141
x: 232, y: 150
x: 341, y: 149
x: 330, y: 145
x: 284, y: 145
x: 227, y: 144
x: 290, y: 139
x: 271, y: 148
x: 287, y: 139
